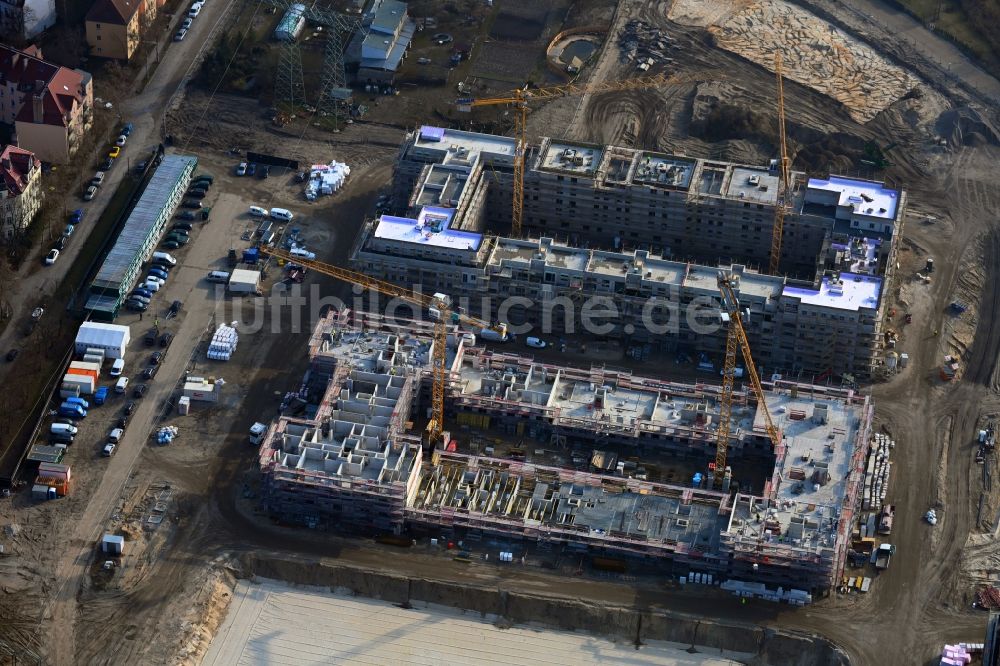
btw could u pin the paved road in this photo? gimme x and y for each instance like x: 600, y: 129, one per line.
x: 880, y: 18
x: 145, y: 111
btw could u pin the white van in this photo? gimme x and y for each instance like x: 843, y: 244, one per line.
x: 117, y: 367
x: 218, y: 276
x: 165, y: 256
x: 121, y: 385
x: 282, y: 214
x: 257, y: 211
x: 63, y: 429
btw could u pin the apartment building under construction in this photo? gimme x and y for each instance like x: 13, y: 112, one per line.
x: 839, y: 248
x: 350, y: 462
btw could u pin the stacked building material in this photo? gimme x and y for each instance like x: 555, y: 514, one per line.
x: 326, y: 178
x: 988, y: 597
x: 166, y: 434
x: 223, y: 343
x: 877, y: 472
x: 955, y: 655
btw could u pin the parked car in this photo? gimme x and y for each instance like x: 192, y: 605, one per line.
x: 535, y: 342
x: 142, y: 291
x: 191, y: 203
x: 152, y: 285
x: 51, y: 257
x: 90, y: 193
x: 165, y: 339
x: 115, y: 152
x: 196, y: 194
x: 76, y: 217
x: 156, y: 271
x: 442, y: 38
x: 178, y: 237
x: 264, y: 172
x: 127, y: 129
x: 171, y: 245
x: 98, y: 179
x: 121, y: 385
x: 300, y: 177
x: 107, y: 164
x: 120, y: 141
x: 182, y: 226
x: 241, y: 169
x: 185, y: 215
x: 150, y: 372
x: 175, y: 307
x: 195, y: 10
x: 68, y: 231
x: 108, y: 450
x: 117, y: 367
x: 251, y: 168
x: 157, y: 279
x: 156, y: 358
x: 137, y: 297
x: 101, y: 395
x: 187, y: 23
x: 12, y: 354
x: 204, y: 178
x: 129, y: 408
x: 150, y: 338
x: 180, y: 35
x: 135, y: 306
x: 122, y: 422
x: 139, y: 391
x: 59, y: 243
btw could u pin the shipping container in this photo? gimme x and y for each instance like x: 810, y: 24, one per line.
x: 85, y: 365
x: 69, y: 391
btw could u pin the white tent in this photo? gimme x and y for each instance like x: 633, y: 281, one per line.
x: 112, y: 338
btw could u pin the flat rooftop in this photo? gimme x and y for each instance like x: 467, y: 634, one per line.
x: 753, y: 185
x: 443, y: 186
x: 431, y: 227
x: 850, y: 292
x: 273, y: 623
x: 465, y: 148
x: 864, y: 197
x: 664, y: 170
x: 582, y: 159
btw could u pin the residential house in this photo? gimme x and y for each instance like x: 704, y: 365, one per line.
x: 26, y: 19
x: 49, y: 107
x: 20, y: 190
x: 115, y: 27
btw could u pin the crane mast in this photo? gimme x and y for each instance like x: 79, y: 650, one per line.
x: 736, y: 337
x: 784, y: 186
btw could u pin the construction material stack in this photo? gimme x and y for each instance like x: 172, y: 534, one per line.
x: 326, y: 179
x: 877, y: 472
x: 223, y: 343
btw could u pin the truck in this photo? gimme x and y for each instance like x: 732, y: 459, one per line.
x: 72, y: 410
x: 883, y: 555
x: 885, y: 519
x: 257, y: 432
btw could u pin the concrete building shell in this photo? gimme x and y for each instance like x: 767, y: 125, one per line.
x: 353, y: 464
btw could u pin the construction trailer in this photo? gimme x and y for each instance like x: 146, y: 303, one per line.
x: 354, y: 464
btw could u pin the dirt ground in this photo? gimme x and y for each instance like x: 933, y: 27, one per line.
x: 163, y: 600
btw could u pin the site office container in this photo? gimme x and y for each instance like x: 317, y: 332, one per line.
x: 85, y: 366
x: 62, y: 486
x: 55, y: 471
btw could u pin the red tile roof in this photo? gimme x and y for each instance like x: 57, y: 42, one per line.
x: 60, y: 89
x: 15, y: 165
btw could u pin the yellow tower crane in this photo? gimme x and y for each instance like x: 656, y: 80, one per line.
x: 520, y: 98
x: 736, y: 337
x: 438, y: 307
x: 785, y: 185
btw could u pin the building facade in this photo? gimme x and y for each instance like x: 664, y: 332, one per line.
x: 51, y: 108
x: 114, y: 27
x: 823, y: 316
x: 21, y: 191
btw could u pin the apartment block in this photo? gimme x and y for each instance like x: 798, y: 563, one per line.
x: 20, y: 190
x: 114, y: 27
x: 50, y: 107
x: 822, y: 316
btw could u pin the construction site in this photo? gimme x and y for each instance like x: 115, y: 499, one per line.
x: 652, y: 322
x: 353, y: 464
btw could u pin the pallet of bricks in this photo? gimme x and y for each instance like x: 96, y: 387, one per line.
x: 877, y: 472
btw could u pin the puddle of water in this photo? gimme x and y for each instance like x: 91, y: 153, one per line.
x: 581, y: 48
